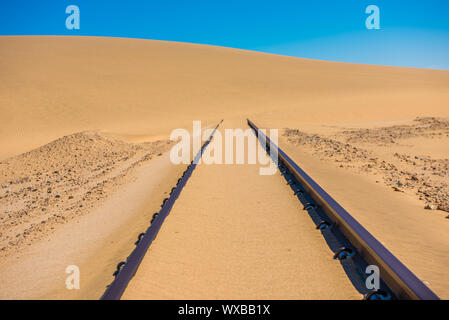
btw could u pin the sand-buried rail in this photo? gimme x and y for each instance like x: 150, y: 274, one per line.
x: 126, y: 270
x: 395, y: 277
x: 399, y: 279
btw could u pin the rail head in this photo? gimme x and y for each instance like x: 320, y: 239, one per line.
x: 403, y: 283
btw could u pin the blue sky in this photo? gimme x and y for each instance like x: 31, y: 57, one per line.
x: 412, y: 33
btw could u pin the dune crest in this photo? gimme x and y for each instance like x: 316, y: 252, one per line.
x: 54, y: 86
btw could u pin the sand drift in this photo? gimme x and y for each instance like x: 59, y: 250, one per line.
x: 396, y: 276
x: 84, y: 166
x: 353, y: 246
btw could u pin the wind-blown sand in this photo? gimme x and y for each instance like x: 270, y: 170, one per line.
x: 121, y: 93
x: 391, y: 194
x: 375, y: 152
x: 236, y: 234
x: 56, y: 86
x: 62, y: 180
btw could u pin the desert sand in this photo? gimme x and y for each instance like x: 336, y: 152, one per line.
x: 235, y: 234
x: 113, y: 102
x: 395, y: 184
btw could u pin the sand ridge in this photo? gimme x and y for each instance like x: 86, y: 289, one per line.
x: 61, y: 180
x: 94, y: 241
x: 54, y: 86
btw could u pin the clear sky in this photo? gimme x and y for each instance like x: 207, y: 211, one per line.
x: 412, y: 33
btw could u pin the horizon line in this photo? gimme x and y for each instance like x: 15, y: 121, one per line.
x: 225, y: 47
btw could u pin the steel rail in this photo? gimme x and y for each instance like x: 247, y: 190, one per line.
x: 125, y: 273
x: 400, y: 280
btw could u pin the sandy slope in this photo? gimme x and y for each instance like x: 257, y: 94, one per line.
x: 63, y: 180
x: 410, y: 158
x: 55, y: 86
x: 94, y: 222
x: 95, y: 242
x: 139, y: 90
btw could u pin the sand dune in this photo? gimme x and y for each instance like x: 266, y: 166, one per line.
x: 55, y: 86
x: 97, y: 106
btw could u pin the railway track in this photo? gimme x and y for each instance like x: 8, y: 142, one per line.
x: 353, y: 246
x: 397, y: 281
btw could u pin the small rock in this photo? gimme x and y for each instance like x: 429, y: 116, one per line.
x: 430, y: 207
